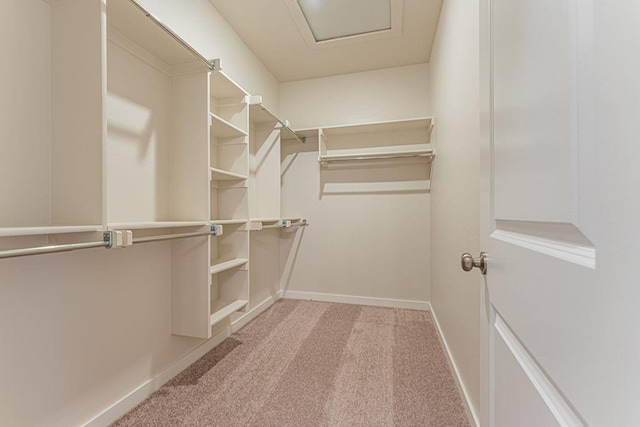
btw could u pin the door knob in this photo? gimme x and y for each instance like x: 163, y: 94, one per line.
x: 467, y: 262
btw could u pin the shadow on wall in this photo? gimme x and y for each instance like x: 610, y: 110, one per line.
x: 291, y: 242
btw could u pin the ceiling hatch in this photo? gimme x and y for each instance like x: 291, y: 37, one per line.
x: 332, y: 23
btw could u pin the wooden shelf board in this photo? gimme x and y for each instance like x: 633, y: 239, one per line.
x: 387, y: 126
x: 154, y: 224
x: 131, y: 22
x: 222, y: 309
x: 222, y: 86
x: 229, y: 221
x: 220, y: 128
x: 265, y: 219
x: 48, y: 229
x: 223, y: 266
x: 223, y: 175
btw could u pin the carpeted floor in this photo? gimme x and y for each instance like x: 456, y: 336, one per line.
x: 306, y: 363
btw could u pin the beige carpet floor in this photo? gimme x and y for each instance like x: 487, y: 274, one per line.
x: 306, y: 363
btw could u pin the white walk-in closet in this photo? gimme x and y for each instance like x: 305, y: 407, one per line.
x: 205, y: 190
x: 172, y: 170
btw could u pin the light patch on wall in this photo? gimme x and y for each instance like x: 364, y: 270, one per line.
x: 332, y: 23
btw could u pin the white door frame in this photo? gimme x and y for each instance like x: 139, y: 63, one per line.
x: 486, y: 314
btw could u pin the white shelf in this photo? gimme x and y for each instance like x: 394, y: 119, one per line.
x: 220, y: 128
x: 223, y: 175
x: 222, y: 309
x: 223, y: 266
x: 266, y: 219
x: 133, y: 23
x: 373, y: 127
x: 229, y: 221
x: 36, y: 231
x: 222, y: 86
x: 154, y: 224
x: 394, y: 139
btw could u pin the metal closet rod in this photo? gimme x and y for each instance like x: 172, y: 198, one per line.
x: 348, y: 157
x: 283, y: 224
x: 284, y: 124
x: 213, y: 232
x: 107, y: 242
x: 186, y: 45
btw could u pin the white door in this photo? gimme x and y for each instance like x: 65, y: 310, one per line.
x: 560, y: 84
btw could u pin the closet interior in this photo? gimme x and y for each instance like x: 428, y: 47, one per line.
x: 143, y: 140
x: 150, y: 140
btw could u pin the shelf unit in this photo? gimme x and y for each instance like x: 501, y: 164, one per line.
x: 156, y: 122
x: 399, y: 139
x: 229, y: 174
x: 157, y: 169
x: 163, y: 141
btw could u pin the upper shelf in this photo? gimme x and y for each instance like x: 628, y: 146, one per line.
x: 423, y: 123
x: 394, y: 139
x: 136, y: 24
x: 141, y: 225
x: 222, y: 86
x: 221, y: 128
x: 44, y: 230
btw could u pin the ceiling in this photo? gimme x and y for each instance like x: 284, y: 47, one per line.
x: 271, y: 30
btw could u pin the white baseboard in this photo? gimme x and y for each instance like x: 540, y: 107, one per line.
x: 350, y: 299
x: 128, y: 402
x: 471, y: 410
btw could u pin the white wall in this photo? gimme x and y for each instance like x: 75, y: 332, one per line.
x: 393, y: 93
x: 455, y: 296
x: 369, y: 229
x: 25, y: 113
x: 81, y: 330
x: 200, y: 24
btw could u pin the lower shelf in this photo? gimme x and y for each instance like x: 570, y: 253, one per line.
x: 222, y: 309
x: 50, y: 229
x: 222, y: 266
x: 154, y: 224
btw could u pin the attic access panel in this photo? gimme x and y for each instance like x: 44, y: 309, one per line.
x: 331, y: 23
